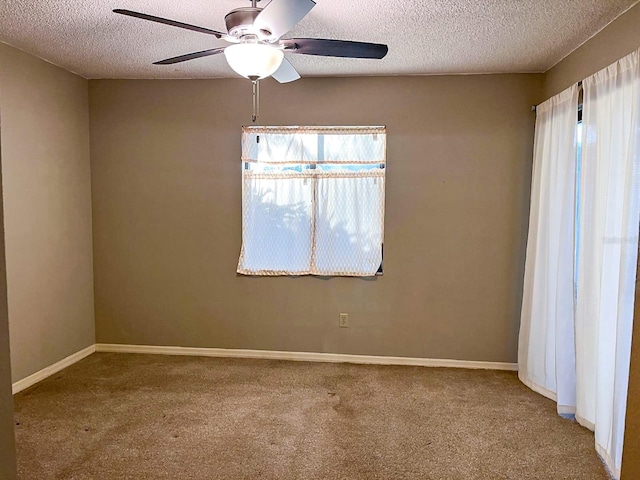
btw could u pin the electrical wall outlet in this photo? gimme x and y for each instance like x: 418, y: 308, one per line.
x: 344, y: 320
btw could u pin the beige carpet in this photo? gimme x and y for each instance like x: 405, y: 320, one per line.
x: 117, y: 416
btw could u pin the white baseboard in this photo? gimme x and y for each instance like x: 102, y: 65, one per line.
x: 304, y: 356
x: 263, y: 354
x: 51, y: 369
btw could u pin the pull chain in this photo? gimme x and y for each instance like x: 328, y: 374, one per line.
x: 256, y: 100
x: 255, y: 85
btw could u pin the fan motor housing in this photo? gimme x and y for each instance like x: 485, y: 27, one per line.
x: 240, y: 22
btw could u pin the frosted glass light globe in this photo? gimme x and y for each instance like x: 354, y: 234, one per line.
x: 253, y: 60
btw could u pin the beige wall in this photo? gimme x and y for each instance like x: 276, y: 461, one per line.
x: 620, y: 38
x: 614, y: 42
x: 7, y: 440
x: 167, y: 216
x: 47, y: 202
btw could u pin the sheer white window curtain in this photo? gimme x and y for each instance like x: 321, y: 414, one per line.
x: 313, y: 200
x: 546, y: 356
x: 579, y: 354
x: 608, y: 233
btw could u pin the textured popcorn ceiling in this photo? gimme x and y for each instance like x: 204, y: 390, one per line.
x: 424, y: 36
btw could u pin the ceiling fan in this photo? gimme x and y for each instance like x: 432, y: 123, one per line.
x: 257, y: 49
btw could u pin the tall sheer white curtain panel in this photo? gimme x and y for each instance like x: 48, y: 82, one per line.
x: 580, y: 271
x: 546, y: 356
x: 312, y: 200
x: 608, y: 248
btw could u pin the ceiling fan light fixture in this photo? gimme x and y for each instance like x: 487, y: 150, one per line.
x: 259, y: 47
x: 254, y: 60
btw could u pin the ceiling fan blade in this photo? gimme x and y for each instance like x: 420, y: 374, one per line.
x: 286, y: 72
x: 280, y: 16
x: 334, y: 48
x: 166, y: 21
x: 190, y: 56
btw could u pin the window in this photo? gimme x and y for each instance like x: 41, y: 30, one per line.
x: 312, y: 200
